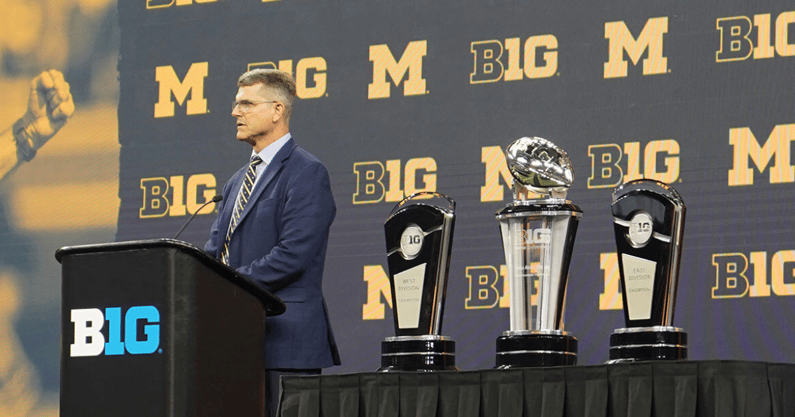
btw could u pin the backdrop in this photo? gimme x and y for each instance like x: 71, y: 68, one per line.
x: 406, y: 97
x: 418, y: 96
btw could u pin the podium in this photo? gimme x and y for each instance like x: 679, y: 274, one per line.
x: 159, y: 328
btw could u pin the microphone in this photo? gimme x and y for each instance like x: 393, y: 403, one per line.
x: 215, y: 199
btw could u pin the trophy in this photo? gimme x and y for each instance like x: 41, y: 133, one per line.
x: 419, y: 236
x: 538, y: 238
x: 649, y: 219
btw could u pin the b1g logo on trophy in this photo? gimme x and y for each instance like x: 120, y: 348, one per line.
x: 538, y: 238
x: 649, y: 219
x: 419, y: 236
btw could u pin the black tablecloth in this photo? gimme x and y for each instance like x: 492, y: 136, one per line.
x: 659, y: 389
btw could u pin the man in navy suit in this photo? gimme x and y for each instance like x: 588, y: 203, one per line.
x: 280, y: 236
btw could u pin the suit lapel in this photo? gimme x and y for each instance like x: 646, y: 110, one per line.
x: 267, y: 177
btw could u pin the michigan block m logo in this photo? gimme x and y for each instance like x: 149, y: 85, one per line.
x: 170, y: 85
x: 650, y: 41
x: 410, y: 62
x: 777, y: 149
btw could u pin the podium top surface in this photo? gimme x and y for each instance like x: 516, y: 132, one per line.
x: 272, y: 304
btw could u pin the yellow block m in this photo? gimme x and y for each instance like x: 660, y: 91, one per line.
x: 746, y: 148
x: 169, y: 84
x: 410, y: 61
x: 650, y: 39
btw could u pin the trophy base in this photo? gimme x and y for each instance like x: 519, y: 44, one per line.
x: 535, y: 348
x: 636, y: 344
x: 427, y: 353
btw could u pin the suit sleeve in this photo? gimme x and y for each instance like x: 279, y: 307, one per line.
x: 213, y: 245
x: 309, y: 210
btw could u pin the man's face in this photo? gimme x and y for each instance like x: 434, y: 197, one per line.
x: 253, y: 112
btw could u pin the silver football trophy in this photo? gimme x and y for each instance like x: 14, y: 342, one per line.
x: 419, y: 237
x: 538, y: 237
x: 649, y: 220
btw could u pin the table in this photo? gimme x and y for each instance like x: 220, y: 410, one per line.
x: 716, y: 388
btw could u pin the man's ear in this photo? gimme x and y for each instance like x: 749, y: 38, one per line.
x: 278, y: 112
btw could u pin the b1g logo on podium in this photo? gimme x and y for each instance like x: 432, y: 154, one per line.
x: 89, y: 339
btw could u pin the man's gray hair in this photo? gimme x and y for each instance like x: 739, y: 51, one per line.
x: 280, y: 83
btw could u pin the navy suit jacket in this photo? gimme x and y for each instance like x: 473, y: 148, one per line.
x: 280, y: 242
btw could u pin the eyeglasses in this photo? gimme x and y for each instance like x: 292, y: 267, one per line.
x: 246, y: 106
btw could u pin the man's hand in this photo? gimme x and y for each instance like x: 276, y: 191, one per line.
x: 49, y: 107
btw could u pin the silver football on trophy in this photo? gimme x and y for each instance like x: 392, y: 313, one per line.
x: 540, y: 165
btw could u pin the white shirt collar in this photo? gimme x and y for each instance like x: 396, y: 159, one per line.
x: 271, y: 150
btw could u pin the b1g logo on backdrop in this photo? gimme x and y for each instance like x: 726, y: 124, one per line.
x: 90, y: 341
x: 488, y: 288
x: 419, y: 174
x: 737, y: 37
x: 613, y: 164
x: 169, y: 85
x: 734, y: 280
x: 313, y: 67
x: 540, y: 59
x: 174, y: 196
x: 650, y: 41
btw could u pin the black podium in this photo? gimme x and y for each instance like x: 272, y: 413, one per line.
x: 159, y: 328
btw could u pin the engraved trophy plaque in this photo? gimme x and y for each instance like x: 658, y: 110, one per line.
x: 538, y: 238
x: 419, y: 237
x: 648, y: 219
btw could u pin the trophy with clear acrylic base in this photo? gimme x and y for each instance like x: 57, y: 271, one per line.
x: 648, y: 219
x: 419, y: 237
x: 538, y: 238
